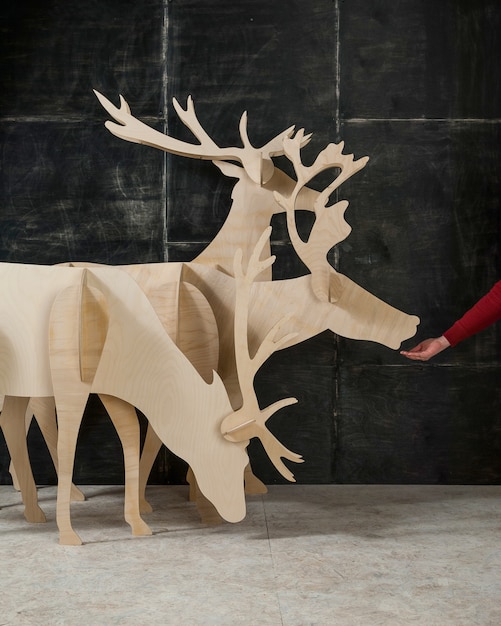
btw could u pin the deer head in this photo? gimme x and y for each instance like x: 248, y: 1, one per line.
x: 140, y: 364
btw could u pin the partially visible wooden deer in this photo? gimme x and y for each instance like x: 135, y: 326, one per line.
x: 105, y: 337
x: 188, y: 319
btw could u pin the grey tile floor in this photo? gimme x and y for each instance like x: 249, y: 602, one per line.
x: 304, y: 555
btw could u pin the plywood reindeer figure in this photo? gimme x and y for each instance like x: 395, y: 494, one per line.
x: 322, y: 300
x: 194, y: 332
x: 100, y: 334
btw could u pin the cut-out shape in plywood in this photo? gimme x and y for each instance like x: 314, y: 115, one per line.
x: 262, y: 190
x: 255, y: 315
x: 104, y: 337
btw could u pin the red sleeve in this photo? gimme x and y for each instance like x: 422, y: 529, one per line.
x: 484, y: 313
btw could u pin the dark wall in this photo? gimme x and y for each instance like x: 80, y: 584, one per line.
x: 413, y: 84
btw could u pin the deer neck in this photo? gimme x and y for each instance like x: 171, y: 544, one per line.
x: 250, y: 214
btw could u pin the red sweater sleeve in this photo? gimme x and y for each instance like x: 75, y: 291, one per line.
x: 484, y: 313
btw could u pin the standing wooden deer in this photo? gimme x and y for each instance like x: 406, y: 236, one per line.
x: 261, y: 191
x: 322, y: 300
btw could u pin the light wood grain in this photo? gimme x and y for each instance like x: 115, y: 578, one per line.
x: 141, y: 365
x: 154, y: 336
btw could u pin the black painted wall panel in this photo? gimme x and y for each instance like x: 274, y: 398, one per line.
x: 425, y: 218
x: 434, y: 416
x: 412, y: 84
x: 54, y: 53
x: 62, y: 189
x: 258, y: 57
x: 413, y: 59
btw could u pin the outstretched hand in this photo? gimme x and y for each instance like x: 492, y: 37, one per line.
x: 426, y: 349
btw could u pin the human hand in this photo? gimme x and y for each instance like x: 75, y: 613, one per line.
x: 426, y: 349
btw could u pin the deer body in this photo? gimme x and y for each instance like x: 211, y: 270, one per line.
x: 125, y: 355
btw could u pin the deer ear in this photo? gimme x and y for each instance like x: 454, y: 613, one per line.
x: 232, y: 170
x: 78, y: 326
x: 93, y: 330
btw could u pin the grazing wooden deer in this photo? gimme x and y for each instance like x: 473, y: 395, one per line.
x: 194, y: 333
x: 100, y: 334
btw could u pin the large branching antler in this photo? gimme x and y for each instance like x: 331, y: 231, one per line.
x: 330, y: 226
x: 250, y: 421
x: 256, y: 161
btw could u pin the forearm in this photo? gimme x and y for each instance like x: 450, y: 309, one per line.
x: 485, y: 312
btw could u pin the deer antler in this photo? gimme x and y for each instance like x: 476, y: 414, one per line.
x: 330, y: 226
x: 249, y: 421
x: 256, y: 161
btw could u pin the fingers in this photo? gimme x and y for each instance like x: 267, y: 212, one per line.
x: 419, y: 348
x: 426, y: 349
x: 422, y: 355
x: 418, y: 353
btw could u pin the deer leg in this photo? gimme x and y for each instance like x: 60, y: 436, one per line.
x: 253, y: 486
x: 13, y: 475
x: 70, y: 411
x: 151, y: 447
x: 124, y: 418
x: 12, y: 471
x: 71, y: 392
x: 192, y: 482
x: 206, y: 510
x: 13, y: 426
x: 44, y: 410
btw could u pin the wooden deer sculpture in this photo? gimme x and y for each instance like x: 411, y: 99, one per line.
x: 322, y: 300
x: 261, y: 191
x: 103, y: 336
x: 188, y: 319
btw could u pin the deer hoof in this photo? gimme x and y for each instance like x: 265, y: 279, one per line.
x: 35, y: 516
x: 69, y: 538
x: 76, y: 494
x: 141, y: 529
x: 145, y: 507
